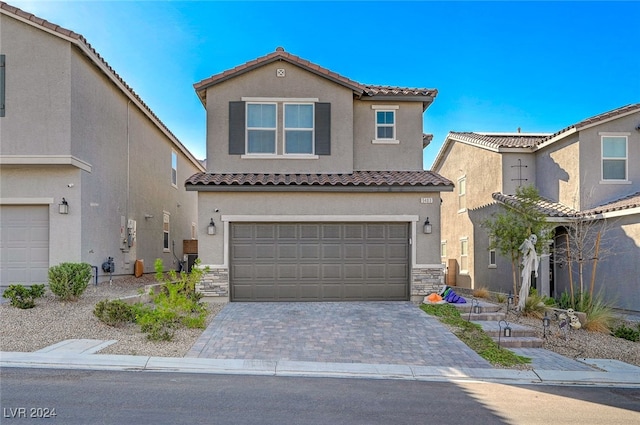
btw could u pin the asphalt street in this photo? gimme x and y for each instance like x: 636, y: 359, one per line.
x: 107, y: 397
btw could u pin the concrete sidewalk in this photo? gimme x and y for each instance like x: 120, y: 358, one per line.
x: 77, y: 354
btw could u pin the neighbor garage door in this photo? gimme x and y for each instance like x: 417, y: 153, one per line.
x: 319, y: 261
x: 24, y: 244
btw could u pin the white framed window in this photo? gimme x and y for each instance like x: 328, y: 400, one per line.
x: 492, y: 256
x: 261, y: 128
x: 462, y: 194
x: 443, y: 249
x: 385, y: 124
x: 614, y: 157
x: 194, y: 230
x: 174, y: 168
x: 464, y: 255
x: 298, y: 128
x: 165, y: 231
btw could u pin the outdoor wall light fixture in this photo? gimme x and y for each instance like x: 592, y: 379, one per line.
x: 546, y: 322
x: 211, y: 229
x: 63, y: 207
x: 148, y: 216
x: 427, y: 227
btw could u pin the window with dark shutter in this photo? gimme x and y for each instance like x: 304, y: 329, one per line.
x: 236, y: 128
x: 323, y: 129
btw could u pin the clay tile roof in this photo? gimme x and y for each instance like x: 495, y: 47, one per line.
x: 500, y: 140
x: 598, y: 118
x: 547, y: 207
x: 90, y: 52
x: 281, y: 54
x: 555, y: 209
x: 357, y: 178
x: 628, y: 202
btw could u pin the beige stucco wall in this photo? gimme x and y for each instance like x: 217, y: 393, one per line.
x: 263, y: 83
x: 483, y: 171
x: 37, y: 94
x: 405, y: 155
x: 558, y: 172
x: 59, y: 103
x: 324, y: 207
x: 518, y: 169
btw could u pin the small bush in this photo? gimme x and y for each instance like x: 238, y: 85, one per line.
x: 535, y: 305
x: 115, y: 313
x: 23, y: 297
x: 481, y: 292
x: 627, y: 333
x: 600, y: 316
x: 501, y: 298
x: 69, y: 280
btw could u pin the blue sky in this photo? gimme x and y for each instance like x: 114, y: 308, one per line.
x: 540, y: 66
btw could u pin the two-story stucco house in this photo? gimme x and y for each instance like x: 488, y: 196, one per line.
x: 315, y: 189
x: 589, y: 171
x: 87, y: 170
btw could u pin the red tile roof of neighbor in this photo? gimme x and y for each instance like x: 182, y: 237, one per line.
x: 556, y: 209
x: 89, y: 51
x: 420, y: 179
x: 359, y: 89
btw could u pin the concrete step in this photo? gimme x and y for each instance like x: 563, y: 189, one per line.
x: 486, y: 307
x: 519, y: 342
x: 483, y: 317
x: 493, y: 329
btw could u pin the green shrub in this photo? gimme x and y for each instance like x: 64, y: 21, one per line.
x: 23, y: 297
x: 627, y: 333
x: 69, y: 280
x: 115, y: 313
x: 176, y: 304
x: 536, y: 305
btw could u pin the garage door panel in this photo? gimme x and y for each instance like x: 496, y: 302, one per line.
x: 320, y: 262
x: 24, y: 244
x: 242, y: 232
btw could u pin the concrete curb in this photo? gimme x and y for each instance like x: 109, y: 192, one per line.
x: 629, y: 377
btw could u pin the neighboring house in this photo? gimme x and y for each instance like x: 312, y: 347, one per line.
x: 316, y: 187
x: 589, y: 169
x: 75, y: 135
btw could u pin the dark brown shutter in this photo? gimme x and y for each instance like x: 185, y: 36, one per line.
x: 323, y: 128
x: 236, y: 128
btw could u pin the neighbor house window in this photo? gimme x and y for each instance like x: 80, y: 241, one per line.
x: 385, y: 125
x: 614, y: 157
x: 2, y: 88
x: 165, y: 232
x: 443, y: 249
x: 462, y: 194
x: 492, y: 254
x: 174, y: 168
x: 298, y: 128
x: 464, y: 255
x: 261, y: 128
x: 194, y: 231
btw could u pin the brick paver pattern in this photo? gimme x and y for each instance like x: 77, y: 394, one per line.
x: 340, y: 332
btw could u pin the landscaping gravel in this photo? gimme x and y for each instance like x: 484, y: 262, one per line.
x: 52, y: 321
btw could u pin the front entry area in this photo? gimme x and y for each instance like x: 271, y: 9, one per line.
x: 319, y: 261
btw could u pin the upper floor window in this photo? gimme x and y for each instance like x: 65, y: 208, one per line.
x: 443, y: 249
x: 174, y: 168
x: 298, y: 128
x: 261, y: 128
x: 614, y: 157
x: 279, y: 128
x: 462, y: 194
x: 385, y: 121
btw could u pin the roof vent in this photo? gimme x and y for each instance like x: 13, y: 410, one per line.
x: 279, y: 49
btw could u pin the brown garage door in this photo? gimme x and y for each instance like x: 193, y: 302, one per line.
x: 319, y: 261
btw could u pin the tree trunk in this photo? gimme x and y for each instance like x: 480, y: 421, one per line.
x: 569, y: 264
x: 595, y: 265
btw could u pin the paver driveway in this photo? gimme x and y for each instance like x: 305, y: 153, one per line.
x: 341, y: 332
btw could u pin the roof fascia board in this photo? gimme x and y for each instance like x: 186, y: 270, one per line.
x: 515, y: 150
x: 560, y: 136
x: 318, y: 188
x: 605, y: 120
x: 619, y: 213
x: 45, y: 160
x: 105, y: 70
